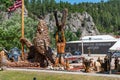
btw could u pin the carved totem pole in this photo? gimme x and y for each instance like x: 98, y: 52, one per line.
x: 60, y: 38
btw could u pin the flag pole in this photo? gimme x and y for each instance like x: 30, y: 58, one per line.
x: 22, y: 28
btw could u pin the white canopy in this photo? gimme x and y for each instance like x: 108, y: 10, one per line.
x: 116, y: 46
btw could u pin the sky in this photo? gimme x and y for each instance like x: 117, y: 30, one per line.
x: 79, y: 1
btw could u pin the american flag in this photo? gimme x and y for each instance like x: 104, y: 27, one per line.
x: 17, y: 4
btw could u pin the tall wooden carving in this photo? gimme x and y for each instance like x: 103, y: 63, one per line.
x: 39, y: 51
x: 60, y: 38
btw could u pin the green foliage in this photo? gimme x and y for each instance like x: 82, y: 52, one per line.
x: 70, y: 36
x: 11, y: 31
x: 30, y: 28
x: 52, y: 39
x: 78, y: 33
x: 4, y: 4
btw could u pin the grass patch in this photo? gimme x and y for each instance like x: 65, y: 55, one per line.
x: 26, y: 75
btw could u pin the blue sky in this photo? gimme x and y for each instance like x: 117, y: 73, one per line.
x: 79, y: 1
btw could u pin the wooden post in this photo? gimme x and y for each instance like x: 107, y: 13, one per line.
x: 82, y: 46
x: 22, y: 28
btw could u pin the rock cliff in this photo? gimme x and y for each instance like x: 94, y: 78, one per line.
x: 75, y: 21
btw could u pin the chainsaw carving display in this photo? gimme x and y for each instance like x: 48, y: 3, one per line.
x: 40, y: 54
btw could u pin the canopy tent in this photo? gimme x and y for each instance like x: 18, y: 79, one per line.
x: 116, y: 46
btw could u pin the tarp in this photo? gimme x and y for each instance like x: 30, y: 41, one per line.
x: 116, y: 46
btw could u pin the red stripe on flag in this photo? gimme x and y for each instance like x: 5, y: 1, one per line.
x: 17, y: 4
x: 11, y: 8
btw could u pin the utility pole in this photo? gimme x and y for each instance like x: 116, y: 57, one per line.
x: 82, y: 46
x: 22, y: 27
x: 110, y: 59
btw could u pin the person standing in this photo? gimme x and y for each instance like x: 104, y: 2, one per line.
x: 106, y: 64
x: 116, y: 63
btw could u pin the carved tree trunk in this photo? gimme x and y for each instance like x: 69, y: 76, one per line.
x: 60, y: 38
x: 39, y: 50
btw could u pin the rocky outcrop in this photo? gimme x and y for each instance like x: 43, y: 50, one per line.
x: 75, y: 22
